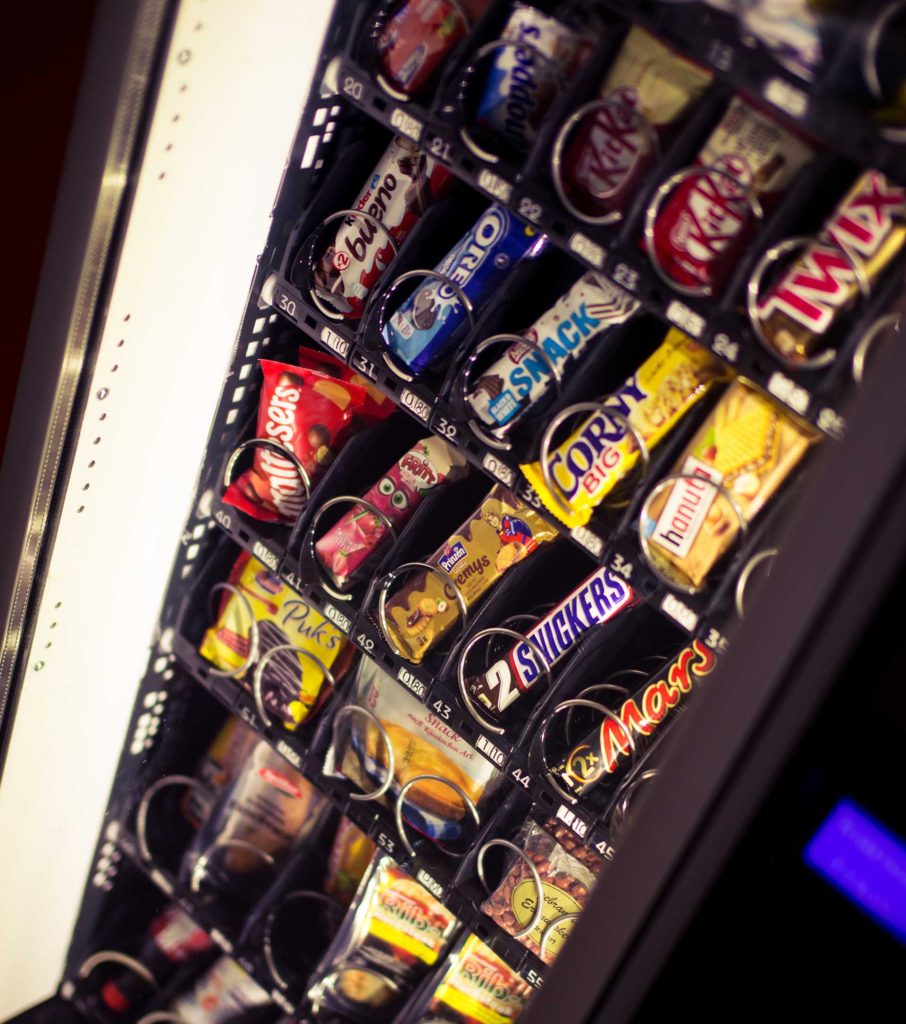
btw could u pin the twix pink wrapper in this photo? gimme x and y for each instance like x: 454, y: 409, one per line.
x: 349, y: 543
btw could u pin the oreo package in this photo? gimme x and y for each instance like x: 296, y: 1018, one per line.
x: 428, y: 323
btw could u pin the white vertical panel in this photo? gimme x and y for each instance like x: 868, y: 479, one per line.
x: 235, y: 82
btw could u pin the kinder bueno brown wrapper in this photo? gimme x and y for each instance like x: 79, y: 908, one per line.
x: 649, y: 89
x: 706, y: 221
x: 639, y: 722
x: 501, y: 532
x: 418, y: 37
x: 524, y: 80
x: 748, y: 447
x: 512, y: 384
x: 350, y: 543
x: 863, y: 235
x: 312, y: 415
x: 402, y: 186
x: 596, y: 600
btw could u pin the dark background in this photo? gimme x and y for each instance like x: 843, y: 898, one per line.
x: 42, y: 52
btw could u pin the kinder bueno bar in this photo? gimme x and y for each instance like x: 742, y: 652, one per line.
x: 864, y: 233
x: 413, y: 44
x: 702, y: 228
x: 602, y: 451
x: 639, y: 722
x: 515, y: 382
x: 500, y: 532
x: 746, y: 445
x: 345, y: 548
x: 611, y: 150
x: 430, y: 320
x: 597, y: 600
x: 402, y: 186
x: 521, y: 84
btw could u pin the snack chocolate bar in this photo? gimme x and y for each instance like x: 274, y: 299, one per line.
x: 433, y: 317
x: 417, y: 38
x: 610, y: 150
x: 350, y: 543
x: 597, y: 600
x: 705, y: 223
x: 292, y: 687
x: 500, y: 532
x: 217, y: 768
x: 400, y: 188
x: 601, y: 451
x: 568, y: 870
x: 350, y: 854
x: 477, y: 987
x: 524, y: 78
x: 616, y: 742
x: 423, y: 744
x: 865, y: 233
x: 394, y: 933
x: 593, y: 307
x: 748, y: 447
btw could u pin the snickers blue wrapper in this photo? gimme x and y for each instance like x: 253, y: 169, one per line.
x: 429, y: 322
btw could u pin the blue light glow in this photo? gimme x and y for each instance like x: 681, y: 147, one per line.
x: 865, y: 861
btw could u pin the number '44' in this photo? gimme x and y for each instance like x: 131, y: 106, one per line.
x: 523, y: 778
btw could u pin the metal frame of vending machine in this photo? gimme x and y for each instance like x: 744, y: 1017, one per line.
x: 125, y: 363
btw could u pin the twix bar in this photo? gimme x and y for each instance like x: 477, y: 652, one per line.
x: 862, y: 236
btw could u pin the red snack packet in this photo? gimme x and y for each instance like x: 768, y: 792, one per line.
x: 377, y: 405
x: 312, y: 415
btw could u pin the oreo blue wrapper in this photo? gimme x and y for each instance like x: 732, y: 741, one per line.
x: 433, y: 317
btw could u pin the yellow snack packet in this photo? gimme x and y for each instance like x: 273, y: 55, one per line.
x: 749, y: 447
x: 601, y: 452
x: 292, y: 686
x: 500, y: 532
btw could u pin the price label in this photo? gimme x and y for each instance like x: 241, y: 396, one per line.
x: 265, y: 555
x: 364, y: 365
x: 494, y: 185
x: 406, y: 124
x: 573, y: 820
x: 365, y: 642
x: 587, y: 250
x: 678, y: 611
x: 724, y: 347
x: 430, y: 883
x: 416, y: 405
x: 499, y: 470
x: 789, y: 392
x: 686, y: 319
x: 786, y: 97
x: 412, y: 683
x: 335, y: 343
x: 337, y: 618
x: 588, y: 539
x: 221, y: 940
x: 293, y: 756
x: 528, y: 209
x: 496, y: 755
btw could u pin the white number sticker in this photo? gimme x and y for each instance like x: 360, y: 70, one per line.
x: 494, y: 185
x: 352, y: 87
x: 588, y: 250
x: 406, y: 124
x: 530, y: 210
x: 686, y: 319
x: 365, y: 642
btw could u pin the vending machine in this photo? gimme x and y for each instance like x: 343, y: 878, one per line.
x: 488, y: 612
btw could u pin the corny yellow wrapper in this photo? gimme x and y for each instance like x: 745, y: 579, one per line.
x: 597, y: 456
